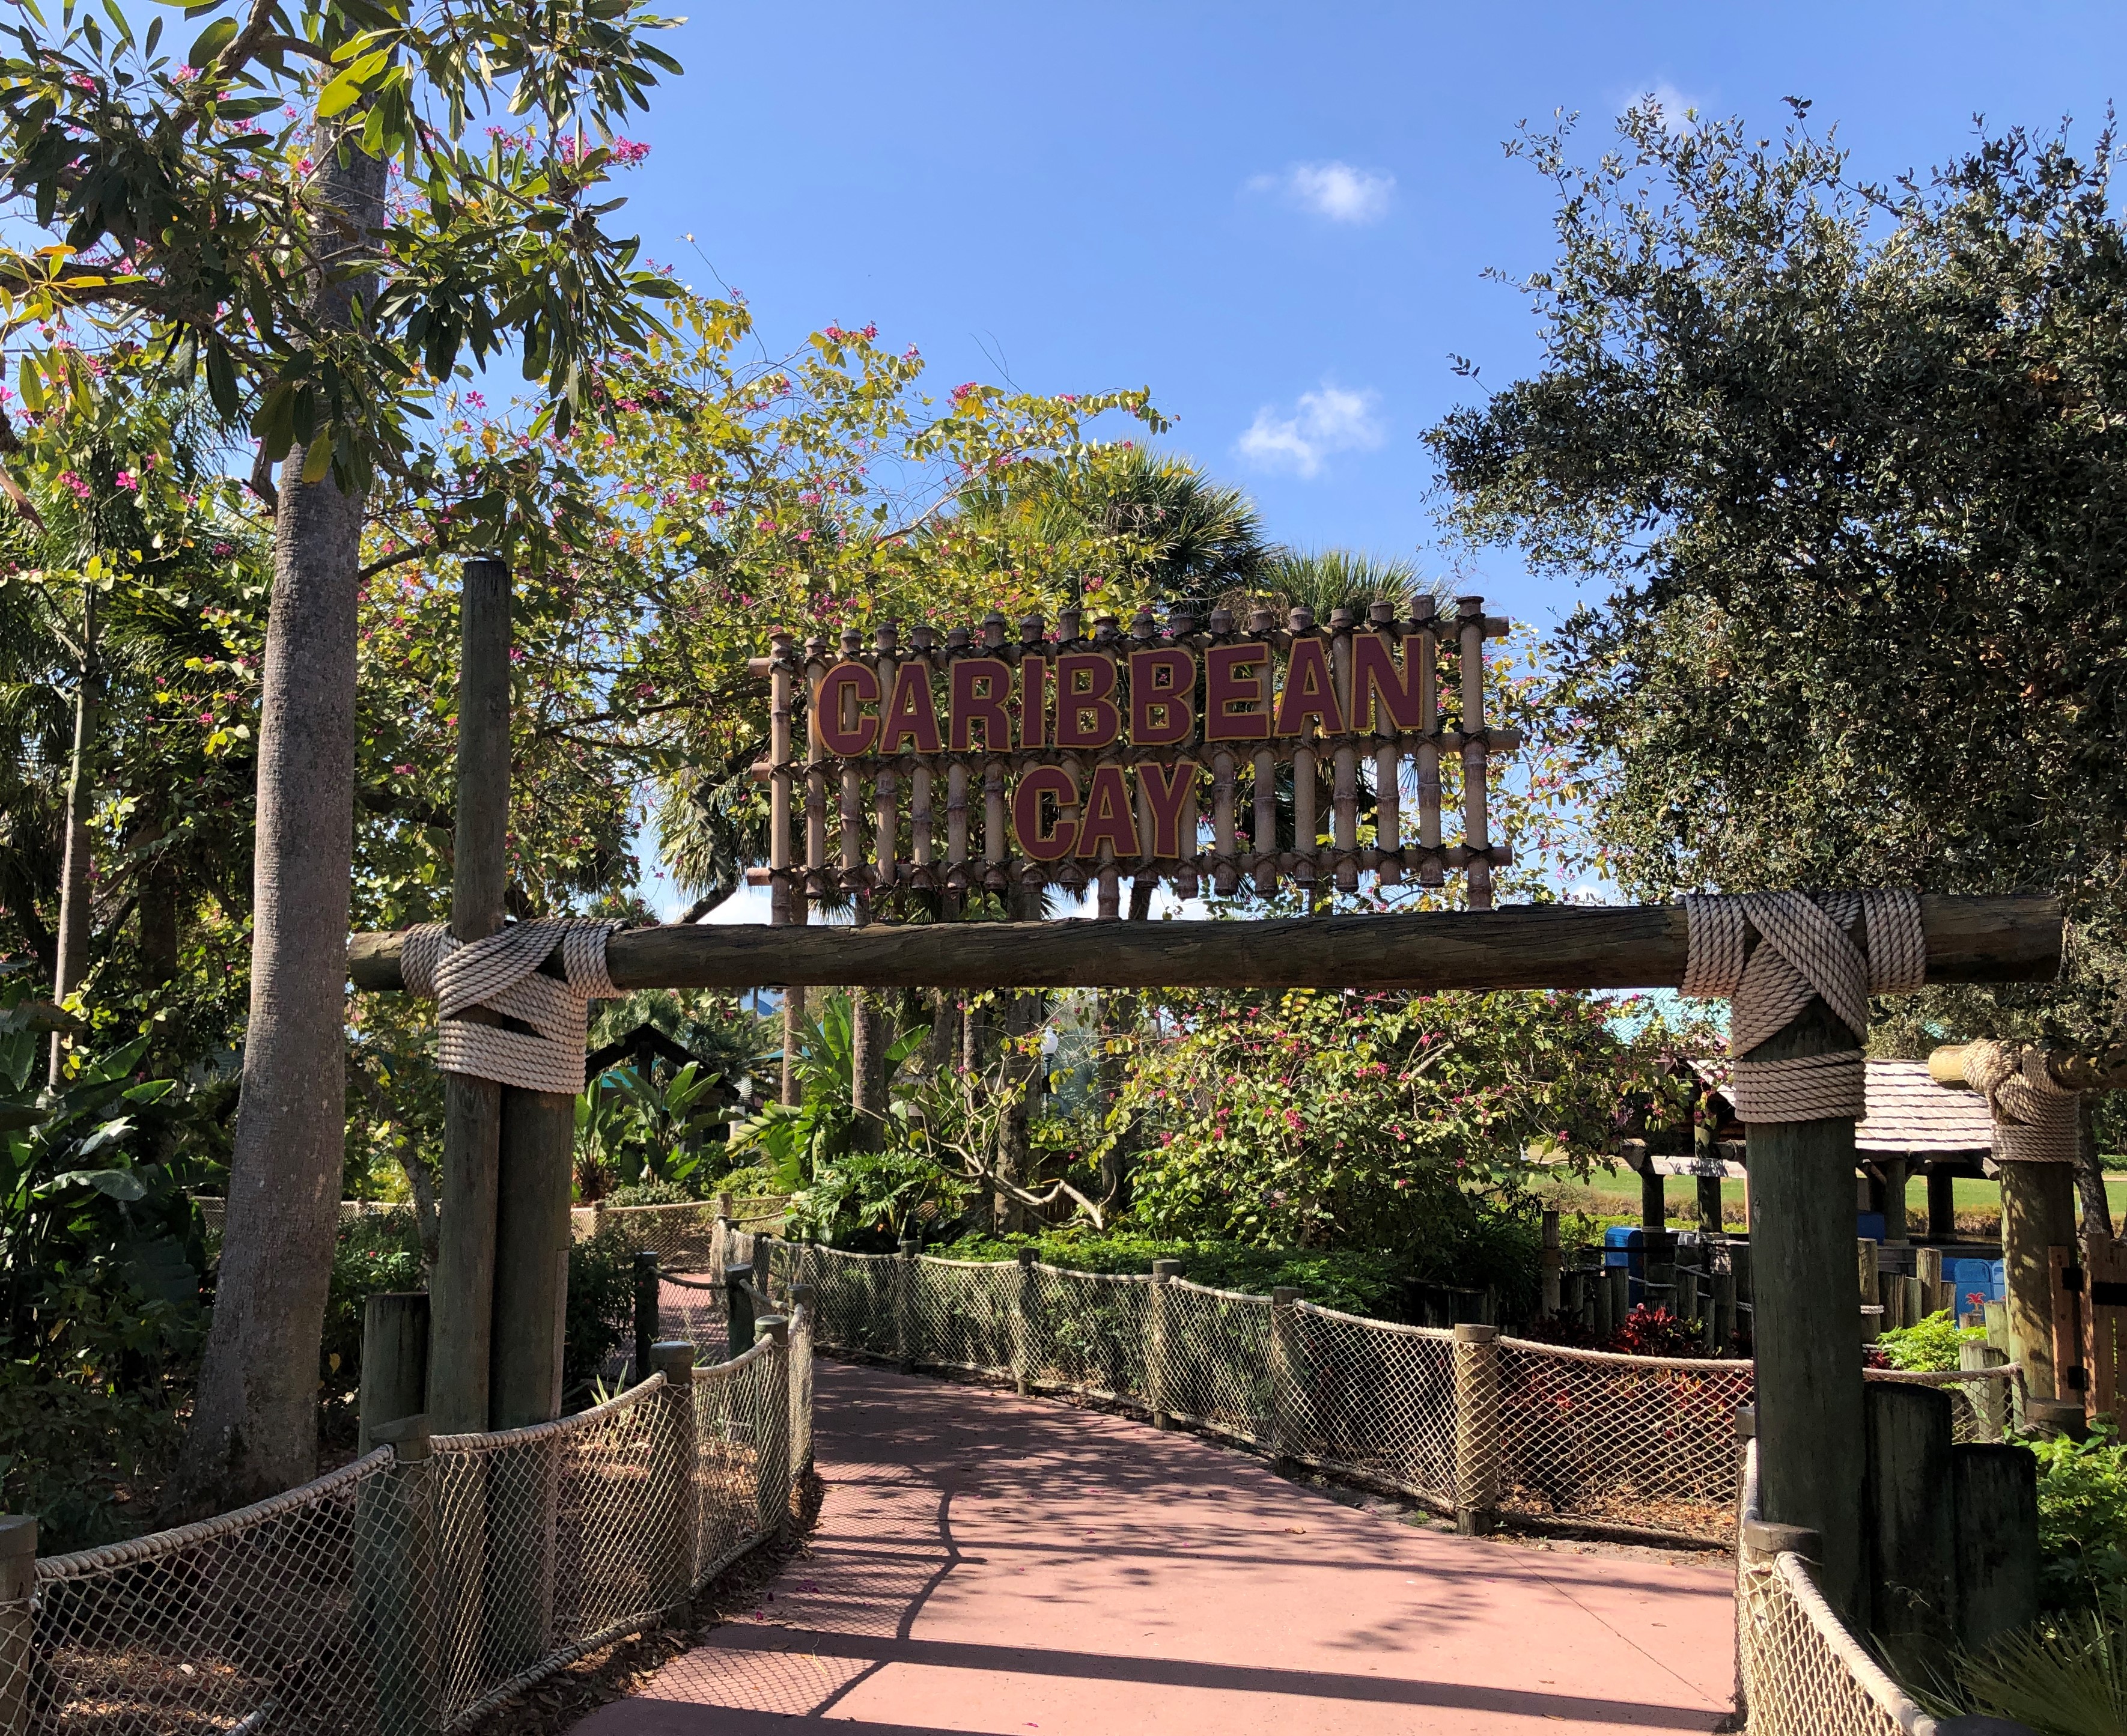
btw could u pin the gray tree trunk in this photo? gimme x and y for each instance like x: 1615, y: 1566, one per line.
x: 70, y: 952
x: 2089, y: 1173
x: 254, y: 1422
x: 869, y: 1037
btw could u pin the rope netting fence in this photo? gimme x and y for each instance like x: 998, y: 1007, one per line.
x: 416, y: 1589
x: 1461, y: 1419
x: 1799, y: 1669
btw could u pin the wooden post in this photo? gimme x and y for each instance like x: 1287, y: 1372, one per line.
x: 1864, y: 1272
x: 2104, y: 1321
x: 1894, y: 1198
x: 1942, y: 1204
x: 1164, y: 1272
x: 2038, y: 1215
x: 1022, y: 1320
x: 395, y: 1361
x: 1707, y: 1187
x: 1284, y: 1367
x: 772, y: 1452
x: 1927, y: 1267
x: 1477, y: 1443
x: 531, y: 1257
x: 1654, y: 1202
x: 461, y: 1320
x: 18, y: 1627
x: 1554, y: 1263
x: 738, y: 1309
x: 2071, y: 1378
x: 1617, y: 1296
x: 396, y: 1579
x: 675, y: 1359
x: 904, y: 1305
x: 1809, y: 1425
x: 1913, y: 1585
x: 1994, y: 1499
x: 647, y: 1311
x: 1721, y: 1316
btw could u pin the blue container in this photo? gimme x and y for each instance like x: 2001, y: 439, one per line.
x: 1623, y: 1245
x: 1869, y: 1227
x: 1970, y: 1278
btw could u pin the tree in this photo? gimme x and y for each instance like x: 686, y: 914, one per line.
x: 319, y: 304
x: 1849, y: 463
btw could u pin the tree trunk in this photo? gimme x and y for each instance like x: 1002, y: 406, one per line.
x: 2090, y: 1173
x: 1022, y: 1075
x: 254, y: 1423
x: 159, y: 900
x: 793, y: 1026
x: 70, y: 960
x: 868, y: 1041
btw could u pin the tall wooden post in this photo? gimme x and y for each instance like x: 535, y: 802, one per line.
x: 463, y: 1295
x: 531, y: 1256
x: 2038, y: 1215
x: 1810, y: 1440
x: 394, y: 1360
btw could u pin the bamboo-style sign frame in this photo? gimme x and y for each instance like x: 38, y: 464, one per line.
x: 1085, y: 756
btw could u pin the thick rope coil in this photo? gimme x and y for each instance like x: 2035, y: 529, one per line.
x: 1804, y: 950
x: 2035, y: 1119
x: 501, y: 974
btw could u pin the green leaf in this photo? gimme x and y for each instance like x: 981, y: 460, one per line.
x: 119, y: 1184
x: 30, y: 381
x: 345, y: 90
x: 318, y: 455
x: 209, y: 42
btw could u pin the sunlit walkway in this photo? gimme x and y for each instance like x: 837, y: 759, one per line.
x: 988, y: 1563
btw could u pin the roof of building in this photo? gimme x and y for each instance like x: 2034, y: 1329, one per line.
x: 1908, y: 1111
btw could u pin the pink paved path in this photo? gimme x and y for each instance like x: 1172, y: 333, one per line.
x: 988, y: 1564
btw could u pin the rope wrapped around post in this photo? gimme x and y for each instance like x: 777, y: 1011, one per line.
x: 1804, y: 950
x: 2036, y: 1119
x: 501, y: 975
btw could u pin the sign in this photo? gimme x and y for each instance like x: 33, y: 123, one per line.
x: 1076, y: 759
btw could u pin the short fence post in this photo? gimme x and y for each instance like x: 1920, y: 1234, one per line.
x: 772, y: 1454
x: 1283, y: 1363
x: 1554, y: 1263
x: 18, y: 1583
x: 1989, y: 1398
x: 1477, y: 1442
x: 801, y: 1387
x: 675, y: 1359
x: 646, y: 1316
x: 1022, y: 1325
x: 1864, y: 1277
x: 764, y: 1262
x: 396, y: 1574
x: 904, y: 1307
x: 1913, y: 1600
x: 1993, y: 1500
x: 738, y: 1310
x: 1160, y: 1327
x: 394, y: 1360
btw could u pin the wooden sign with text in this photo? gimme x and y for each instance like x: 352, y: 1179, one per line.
x: 1090, y: 758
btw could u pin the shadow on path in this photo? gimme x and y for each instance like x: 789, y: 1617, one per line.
x: 989, y: 1564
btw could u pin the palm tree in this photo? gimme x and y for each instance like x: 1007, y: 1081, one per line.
x: 1327, y: 579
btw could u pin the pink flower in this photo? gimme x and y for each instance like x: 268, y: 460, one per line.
x: 404, y: 771
x: 68, y: 479
x: 125, y: 480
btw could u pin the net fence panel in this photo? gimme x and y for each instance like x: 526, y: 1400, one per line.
x: 693, y: 1310
x: 1983, y: 1401
x: 1803, y: 1674
x: 853, y: 1295
x: 1372, y: 1398
x: 280, y: 1616
x: 1086, y: 1332
x: 682, y: 1237
x: 734, y: 1420
x: 551, y: 1539
x: 1211, y: 1353
x: 961, y: 1314
x: 1622, y: 1440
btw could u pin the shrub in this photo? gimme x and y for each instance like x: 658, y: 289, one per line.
x: 2082, y: 1518
x: 1930, y: 1344
x: 601, y: 1300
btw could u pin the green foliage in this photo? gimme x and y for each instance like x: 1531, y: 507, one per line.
x: 873, y: 1199
x: 1841, y: 456
x: 2082, y: 1518
x: 601, y: 1298
x: 1314, y: 1119
x: 2067, y: 1675
x: 635, y: 1125
x: 1930, y: 1344
x: 1352, y: 1280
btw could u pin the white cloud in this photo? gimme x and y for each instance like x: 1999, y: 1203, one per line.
x: 1677, y: 109
x: 1336, y: 191
x: 1332, y: 420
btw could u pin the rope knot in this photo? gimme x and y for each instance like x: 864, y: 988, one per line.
x: 501, y: 975
x: 1805, y: 949
x: 2035, y: 1119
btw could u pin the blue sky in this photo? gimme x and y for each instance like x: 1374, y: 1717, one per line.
x: 1278, y: 218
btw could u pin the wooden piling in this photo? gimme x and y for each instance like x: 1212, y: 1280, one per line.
x: 395, y: 1361
x: 531, y: 1257
x: 1912, y: 1542
x: 2038, y: 1215
x: 1994, y: 1503
x: 462, y: 1294
x: 1809, y: 1400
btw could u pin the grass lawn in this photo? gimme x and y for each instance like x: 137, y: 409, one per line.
x: 1616, y: 1192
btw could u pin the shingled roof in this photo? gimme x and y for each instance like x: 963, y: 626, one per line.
x: 1908, y: 1111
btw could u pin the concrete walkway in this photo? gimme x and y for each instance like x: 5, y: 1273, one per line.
x: 988, y: 1564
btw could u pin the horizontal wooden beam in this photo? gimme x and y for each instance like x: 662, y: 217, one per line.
x: 2073, y: 1069
x: 1970, y: 940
